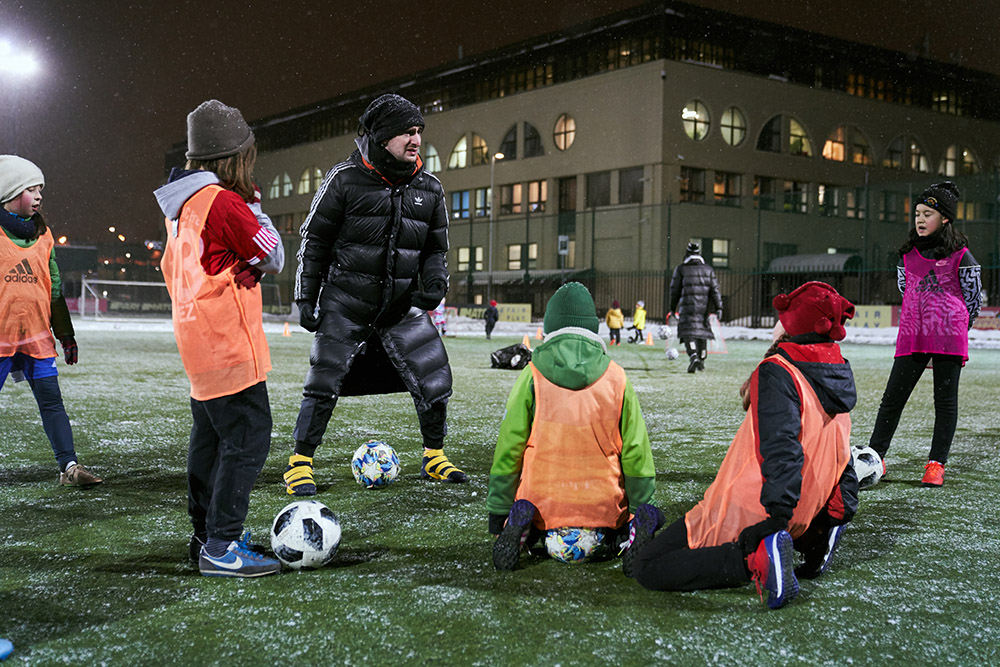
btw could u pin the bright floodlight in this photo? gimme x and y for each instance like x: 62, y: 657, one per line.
x: 16, y: 63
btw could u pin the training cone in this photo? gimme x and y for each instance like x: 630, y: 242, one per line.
x: 526, y: 342
x: 287, y: 331
x: 538, y: 334
x: 649, y: 338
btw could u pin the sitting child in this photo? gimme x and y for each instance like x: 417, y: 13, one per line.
x: 787, y: 481
x: 573, y: 449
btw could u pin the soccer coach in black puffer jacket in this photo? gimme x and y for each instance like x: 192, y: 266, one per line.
x: 371, y: 264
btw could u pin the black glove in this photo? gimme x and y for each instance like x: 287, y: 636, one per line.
x: 307, y: 316
x: 70, y: 349
x: 428, y: 299
x: 246, y: 276
x: 751, y: 536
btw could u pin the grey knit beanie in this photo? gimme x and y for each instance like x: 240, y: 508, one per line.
x: 16, y: 176
x: 216, y: 131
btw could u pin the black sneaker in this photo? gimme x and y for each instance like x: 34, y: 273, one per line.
x: 507, y: 547
x: 816, y: 564
x: 194, y: 546
x: 645, y: 523
x: 693, y: 364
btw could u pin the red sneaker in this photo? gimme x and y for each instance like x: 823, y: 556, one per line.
x: 934, y: 474
x: 771, y: 569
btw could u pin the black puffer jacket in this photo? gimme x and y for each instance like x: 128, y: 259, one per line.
x: 366, y: 247
x: 694, y: 294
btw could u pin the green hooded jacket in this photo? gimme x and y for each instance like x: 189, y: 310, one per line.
x: 572, y: 358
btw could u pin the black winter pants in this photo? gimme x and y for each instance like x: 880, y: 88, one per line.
x: 230, y: 439
x: 667, y: 564
x: 903, y: 377
x: 696, y: 348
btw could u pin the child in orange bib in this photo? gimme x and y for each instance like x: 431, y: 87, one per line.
x: 786, y: 482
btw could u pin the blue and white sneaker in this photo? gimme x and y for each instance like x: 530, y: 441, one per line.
x: 771, y: 568
x: 240, y: 560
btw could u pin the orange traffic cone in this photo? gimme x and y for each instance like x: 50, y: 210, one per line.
x: 538, y: 334
x: 526, y: 342
x: 287, y: 331
x: 649, y: 338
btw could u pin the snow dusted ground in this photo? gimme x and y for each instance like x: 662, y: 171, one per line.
x: 469, y: 327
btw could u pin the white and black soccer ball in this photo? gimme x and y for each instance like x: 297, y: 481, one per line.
x: 305, y: 535
x: 375, y: 464
x: 573, y: 545
x: 868, y: 466
x: 672, y: 353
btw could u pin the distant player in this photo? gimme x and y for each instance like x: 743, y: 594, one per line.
x: 32, y: 308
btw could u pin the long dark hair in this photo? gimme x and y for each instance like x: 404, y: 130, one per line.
x: 946, y: 240
x: 235, y: 172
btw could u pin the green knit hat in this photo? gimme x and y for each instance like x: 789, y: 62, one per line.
x: 571, y: 306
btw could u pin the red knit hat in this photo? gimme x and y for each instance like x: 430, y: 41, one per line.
x: 814, y: 307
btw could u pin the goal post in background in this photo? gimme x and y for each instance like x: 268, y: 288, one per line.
x: 130, y: 298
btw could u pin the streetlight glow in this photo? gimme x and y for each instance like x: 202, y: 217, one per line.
x: 121, y: 237
x: 62, y: 240
x: 111, y: 229
x: 21, y: 64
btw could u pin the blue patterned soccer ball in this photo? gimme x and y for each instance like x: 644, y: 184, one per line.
x: 375, y: 465
x: 305, y: 535
x: 573, y: 545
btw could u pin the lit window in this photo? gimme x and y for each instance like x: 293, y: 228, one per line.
x: 459, y: 158
x: 510, y: 198
x: 515, y: 253
x: 480, y: 153
x: 727, y: 188
x: 432, y: 161
x: 317, y: 179
x: 537, y: 195
x: 696, y: 120
x: 949, y: 165
x: 286, y: 185
x: 565, y: 132
x: 796, y: 198
x: 798, y: 140
x: 463, y: 258
x: 734, y: 126
x: 274, y: 191
x: 828, y: 199
x: 918, y: 159
x: 460, y: 204
x: 483, y: 202
x: 970, y: 165
x: 861, y: 152
x: 305, y: 182
x: 834, y: 148
x: 855, y: 203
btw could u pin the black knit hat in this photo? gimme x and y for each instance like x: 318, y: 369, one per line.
x: 942, y: 197
x: 692, y: 249
x: 216, y: 130
x: 389, y: 116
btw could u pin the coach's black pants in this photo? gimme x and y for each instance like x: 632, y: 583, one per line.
x: 903, y: 377
x: 230, y: 439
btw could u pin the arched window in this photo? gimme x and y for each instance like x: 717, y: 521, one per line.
x: 919, y: 161
x: 480, y: 153
x: 317, y: 179
x: 274, y: 191
x: 770, y: 136
x: 894, y: 154
x: 509, y: 144
x: 532, y: 142
x: 696, y: 120
x: 305, y: 182
x: 286, y: 185
x: 846, y: 143
x: 459, y: 158
x: 970, y: 165
x: 798, y: 140
x: 949, y: 163
x: 432, y: 161
x: 565, y: 132
x: 734, y: 126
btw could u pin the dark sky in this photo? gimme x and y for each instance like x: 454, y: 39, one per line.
x: 118, y: 78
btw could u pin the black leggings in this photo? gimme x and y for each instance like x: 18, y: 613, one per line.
x: 903, y: 377
x: 696, y: 347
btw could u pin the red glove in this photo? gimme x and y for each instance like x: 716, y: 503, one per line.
x: 70, y: 349
x: 246, y: 276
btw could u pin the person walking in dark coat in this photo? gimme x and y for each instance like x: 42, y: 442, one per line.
x: 694, y: 294
x: 491, y: 315
x: 371, y: 264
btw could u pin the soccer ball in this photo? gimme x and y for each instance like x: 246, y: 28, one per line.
x: 867, y: 465
x: 305, y: 535
x: 672, y: 353
x: 573, y: 545
x: 375, y: 464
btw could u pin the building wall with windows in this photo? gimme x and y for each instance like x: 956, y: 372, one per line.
x: 622, y: 163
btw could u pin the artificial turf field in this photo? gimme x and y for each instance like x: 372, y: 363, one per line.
x: 101, y: 576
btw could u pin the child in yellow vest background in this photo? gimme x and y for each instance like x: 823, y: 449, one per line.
x: 786, y: 482
x: 638, y: 322
x: 32, y: 303
x: 219, y: 243
x: 573, y: 451
x: 615, y: 321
